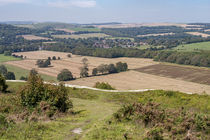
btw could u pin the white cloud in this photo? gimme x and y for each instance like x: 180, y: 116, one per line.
x: 76, y: 3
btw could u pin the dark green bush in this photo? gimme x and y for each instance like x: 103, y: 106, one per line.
x: 104, y: 85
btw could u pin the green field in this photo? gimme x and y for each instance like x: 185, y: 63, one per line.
x: 22, y: 72
x: 99, y: 35
x: 7, y: 58
x: 193, y: 47
x: 94, y: 115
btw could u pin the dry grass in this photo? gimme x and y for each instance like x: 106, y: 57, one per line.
x: 136, y: 80
x: 198, y: 34
x: 74, y: 63
x: 33, y: 37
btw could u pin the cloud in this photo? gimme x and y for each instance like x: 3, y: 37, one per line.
x: 70, y: 3
x: 13, y: 1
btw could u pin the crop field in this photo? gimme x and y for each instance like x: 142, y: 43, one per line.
x: 100, y: 35
x: 198, y: 34
x: 194, y: 46
x: 192, y: 74
x: 135, y: 78
x: 73, y: 63
x: 33, y: 37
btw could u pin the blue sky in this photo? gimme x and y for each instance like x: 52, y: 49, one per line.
x: 96, y: 11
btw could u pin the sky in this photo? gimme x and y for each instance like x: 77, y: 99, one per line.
x: 100, y: 11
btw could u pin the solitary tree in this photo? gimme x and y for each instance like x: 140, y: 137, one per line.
x: 84, y: 70
x: 65, y: 75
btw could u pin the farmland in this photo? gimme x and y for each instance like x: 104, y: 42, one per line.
x: 133, y: 79
x: 193, y: 47
x: 99, y: 35
x: 73, y: 64
x: 199, y: 34
x: 33, y: 37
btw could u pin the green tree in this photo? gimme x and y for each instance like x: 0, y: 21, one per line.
x: 53, y: 58
x: 95, y: 72
x: 65, y: 75
x: 3, y: 70
x: 10, y: 76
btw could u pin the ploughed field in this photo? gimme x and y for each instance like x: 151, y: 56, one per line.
x: 142, y: 74
x: 187, y: 73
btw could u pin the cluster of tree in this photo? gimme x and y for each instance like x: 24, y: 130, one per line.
x: 65, y: 75
x: 109, y: 69
x: 186, y: 58
x: 43, y: 63
x: 7, y: 74
x: 135, y: 31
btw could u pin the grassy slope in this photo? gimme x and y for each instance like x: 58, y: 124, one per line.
x: 194, y: 47
x: 94, y: 112
x: 7, y: 58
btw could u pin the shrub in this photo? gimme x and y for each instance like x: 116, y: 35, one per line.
x: 103, y: 85
x: 35, y: 91
x: 3, y: 85
x: 23, y: 78
x: 65, y: 75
